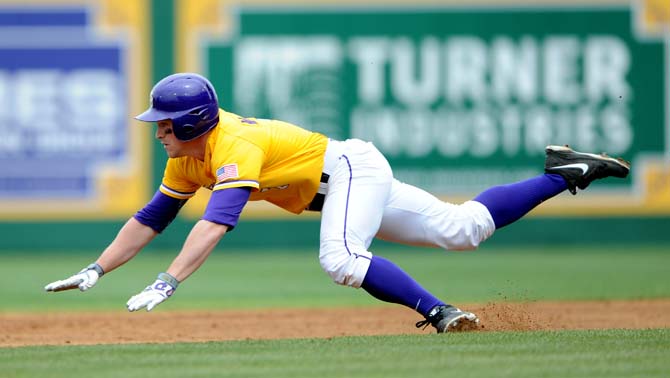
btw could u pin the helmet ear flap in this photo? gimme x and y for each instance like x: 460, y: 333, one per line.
x: 195, y: 123
x: 185, y: 126
x: 188, y: 129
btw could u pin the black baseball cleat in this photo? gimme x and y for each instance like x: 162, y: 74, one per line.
x: 450, y: 319
x: 579, y: 169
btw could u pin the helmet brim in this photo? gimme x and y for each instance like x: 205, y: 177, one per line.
x: 155, y: 115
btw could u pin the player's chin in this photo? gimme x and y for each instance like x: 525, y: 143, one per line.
x: 171, y: 153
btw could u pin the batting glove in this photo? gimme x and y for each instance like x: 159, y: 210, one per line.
x: 84, y: 280
x: 154, y: 294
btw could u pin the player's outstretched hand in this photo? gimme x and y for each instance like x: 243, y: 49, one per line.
x: 154, y: 294
x: 84, y: 280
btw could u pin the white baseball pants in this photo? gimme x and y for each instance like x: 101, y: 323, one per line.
x: 363, y: 201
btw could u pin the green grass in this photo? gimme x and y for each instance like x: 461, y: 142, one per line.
x: 253, y: 279
x: 613, y: 353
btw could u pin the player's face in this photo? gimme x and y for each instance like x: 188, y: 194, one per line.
x: 165, y: 134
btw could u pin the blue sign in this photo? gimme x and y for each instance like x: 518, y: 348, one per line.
x: 63, y: 106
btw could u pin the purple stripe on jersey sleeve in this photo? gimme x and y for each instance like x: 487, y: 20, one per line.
x: 225, y: 206
x: 160, y: 211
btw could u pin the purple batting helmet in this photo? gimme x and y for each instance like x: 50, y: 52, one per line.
x: 189, y: 100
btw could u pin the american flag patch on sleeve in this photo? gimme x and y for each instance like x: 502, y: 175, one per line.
x: 226, y: 172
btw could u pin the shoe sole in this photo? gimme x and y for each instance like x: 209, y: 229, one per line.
x: 462, y: 323
x: 619, y: 161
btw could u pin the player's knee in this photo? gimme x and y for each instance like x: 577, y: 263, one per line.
x: 345, y: 265
x: 337, y: 270
x: 469, y: 225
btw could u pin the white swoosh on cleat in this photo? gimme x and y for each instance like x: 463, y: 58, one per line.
x: 582, y: 166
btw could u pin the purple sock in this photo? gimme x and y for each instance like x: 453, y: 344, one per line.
x: 508, y: 203
x: 387, y: 282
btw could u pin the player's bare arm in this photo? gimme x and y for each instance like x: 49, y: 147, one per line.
x: 199, y: 244
x: 130, y: 240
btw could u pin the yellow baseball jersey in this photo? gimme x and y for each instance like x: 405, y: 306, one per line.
x: 281, y: 162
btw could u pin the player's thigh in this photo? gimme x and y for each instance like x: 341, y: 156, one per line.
x: 415, y: 217
x: 358, y: 191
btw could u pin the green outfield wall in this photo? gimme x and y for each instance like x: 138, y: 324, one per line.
x: 458, y: 97
x: 89, y: 237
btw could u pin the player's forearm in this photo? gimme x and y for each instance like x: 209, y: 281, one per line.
x: 130, y: 240
x: 199, y: 244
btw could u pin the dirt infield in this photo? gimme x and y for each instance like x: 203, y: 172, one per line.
x: 197, y: 326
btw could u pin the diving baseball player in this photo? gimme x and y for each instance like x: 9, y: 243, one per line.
x: 246, y: 159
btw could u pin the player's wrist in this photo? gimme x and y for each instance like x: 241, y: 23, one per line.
x: 170, y: 279
x: 98, y: 269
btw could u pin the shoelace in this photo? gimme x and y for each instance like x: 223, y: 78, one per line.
x: 430, y: 318
x: 423, y: 323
